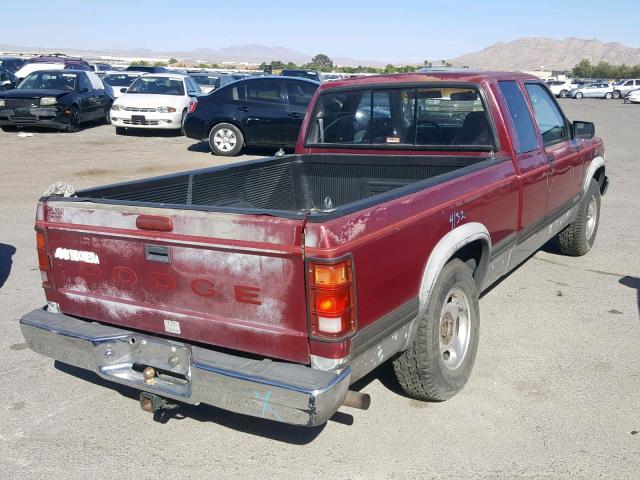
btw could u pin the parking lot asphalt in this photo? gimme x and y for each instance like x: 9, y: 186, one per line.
x: 555, y: 392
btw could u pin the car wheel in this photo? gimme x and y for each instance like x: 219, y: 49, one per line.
x: 184, y: 116
x: 121, y: 131
x: 617, y: 94
x: 226, y: 139
x: 578, y: 238
x: 608, y: 96
x: 8, y: 128
x: 74, y: 120
x: 439, y: 362
x: 579, y: 95
x: 107, y: 115
x: 563, y: 94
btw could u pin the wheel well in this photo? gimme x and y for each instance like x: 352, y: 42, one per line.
x: 475, y: 254
x: 599, y: 177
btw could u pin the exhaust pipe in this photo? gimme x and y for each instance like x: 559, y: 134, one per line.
x: 358, y: 400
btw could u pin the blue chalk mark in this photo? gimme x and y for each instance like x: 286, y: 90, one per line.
x: 266, y: 406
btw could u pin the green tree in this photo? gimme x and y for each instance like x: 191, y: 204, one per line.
x: 322, y: 62
x: 172, y: 60
x: 139, y: 63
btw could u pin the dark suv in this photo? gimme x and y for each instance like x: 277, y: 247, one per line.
x: 13, y: 64
x: 261, y: 111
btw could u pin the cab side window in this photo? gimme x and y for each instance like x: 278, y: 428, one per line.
x: 553, y: 126
x: 525, y: 131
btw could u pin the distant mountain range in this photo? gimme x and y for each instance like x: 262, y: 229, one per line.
x: 547, y: 54
x: 522, y: 54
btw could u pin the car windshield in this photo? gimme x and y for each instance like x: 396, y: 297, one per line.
x: 50, y: 81
x: 119, y: 79
x: 158, y: 86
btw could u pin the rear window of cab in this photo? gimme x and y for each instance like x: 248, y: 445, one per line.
x: 439, y: 116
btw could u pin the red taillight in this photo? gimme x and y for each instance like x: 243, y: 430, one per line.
x: 192, y: 105
x: 331, y: 299
x: 44, y: 263
x: 154, y: 222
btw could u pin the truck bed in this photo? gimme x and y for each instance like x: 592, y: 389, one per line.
x: 320, y: 185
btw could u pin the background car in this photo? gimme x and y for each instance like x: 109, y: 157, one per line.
x: 12, y: 63
x: 59, y: 99
x: 593, y: 90
x: 208, y: 82
x: 155, y: 101
x: 259, y: 111
x: 146, y: 69
x: 633, y: 96
x: 51, y: 62
x: 120, y: 81
x: 560, y: 88
x: 309, y: 74
x: 621, y: 88
x: 7, y: 79
x: 100, y: 67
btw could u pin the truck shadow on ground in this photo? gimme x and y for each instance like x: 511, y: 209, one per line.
x: 6, y: 261
x: 205, y: 413
x: 632, y: 282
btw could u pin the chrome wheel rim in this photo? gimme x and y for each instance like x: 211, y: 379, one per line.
x: 455, y: 329
x: 592, y: 216
x: 225, y: 140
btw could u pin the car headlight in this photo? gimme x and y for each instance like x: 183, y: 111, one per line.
x: 48, y: 101
x: 117, y: 107
x: 166, y: 109
x: 3, y: 103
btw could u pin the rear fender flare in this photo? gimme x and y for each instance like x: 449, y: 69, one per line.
x: 444, y: 251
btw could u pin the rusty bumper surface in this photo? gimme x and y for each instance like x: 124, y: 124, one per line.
x: 285, y: 392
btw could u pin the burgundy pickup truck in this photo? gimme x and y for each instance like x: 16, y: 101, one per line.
x: 268, y: 287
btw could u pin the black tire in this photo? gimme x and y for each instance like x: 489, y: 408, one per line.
x: 230, y: 151
x: 617, y: 94
x: 74, y: 120
x: 608, y: 96
x: 107, y: 115
x: 577, y: 239
x: 8, y: 128
x: 579, y: 95
x: 121, y: 131
x: 184, y: 116
x: 563, y: 94
x: 421, y: 370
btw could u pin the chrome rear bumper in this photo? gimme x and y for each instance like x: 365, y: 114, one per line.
x: 280, y: 391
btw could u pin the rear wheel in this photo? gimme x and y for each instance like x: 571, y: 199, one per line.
x: 121, y: 131
x: 617, y: 94
x: 184, y: 116
x: 226, y: 139
x: 578, y: 238
x: 579, y: 95
x: 563, y: 94
x: 608, y: 96
x: 441, y: 359
x: 107, y: 115
x: 8, y: 128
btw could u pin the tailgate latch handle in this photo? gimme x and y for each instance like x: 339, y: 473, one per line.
x: 157, y: 253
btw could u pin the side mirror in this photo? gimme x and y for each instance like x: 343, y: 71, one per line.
x: 123, y: 90
x: 584, y: 130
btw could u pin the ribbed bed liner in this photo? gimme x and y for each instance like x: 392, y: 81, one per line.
x: 293, y: 183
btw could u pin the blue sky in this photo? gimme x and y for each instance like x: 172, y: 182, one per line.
x: 369, y: 30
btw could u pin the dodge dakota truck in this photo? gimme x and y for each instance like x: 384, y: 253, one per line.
x: 269, y: 287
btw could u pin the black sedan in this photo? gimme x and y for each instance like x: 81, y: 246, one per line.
x: 59, y: 99
x: 261, y: 111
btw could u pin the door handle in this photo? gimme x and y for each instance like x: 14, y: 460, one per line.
x: 245, y: 109
x: 551, y: 158
x: 294, y: 115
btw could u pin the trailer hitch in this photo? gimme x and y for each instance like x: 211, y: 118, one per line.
x: 158, y: 406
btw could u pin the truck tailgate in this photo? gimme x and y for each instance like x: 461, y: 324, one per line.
x: 234, y: 281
